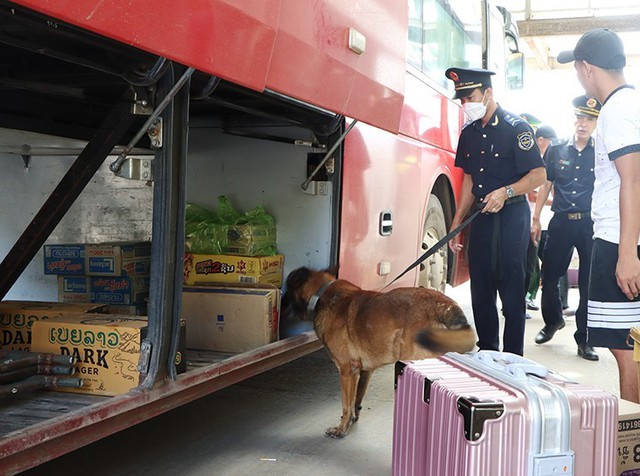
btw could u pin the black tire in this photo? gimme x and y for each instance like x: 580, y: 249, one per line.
x: 433, y: 271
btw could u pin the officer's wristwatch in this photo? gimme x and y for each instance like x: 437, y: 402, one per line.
x: 510, y: 192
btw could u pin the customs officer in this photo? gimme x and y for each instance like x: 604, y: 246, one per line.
x: 501, y: 161
x: 570, y: 165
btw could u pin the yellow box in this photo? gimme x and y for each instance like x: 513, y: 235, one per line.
x: 230, y: 319
x: 233, y: 269
x: 107, y: 347
x: 17, y: 317
x: 628, y: 438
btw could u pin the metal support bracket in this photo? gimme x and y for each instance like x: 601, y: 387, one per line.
x: 145, y: 357
x: 155, y: 134
x: 137, y: 167
x: 327, y: 156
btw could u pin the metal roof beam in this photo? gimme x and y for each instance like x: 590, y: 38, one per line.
x: 577, y: 26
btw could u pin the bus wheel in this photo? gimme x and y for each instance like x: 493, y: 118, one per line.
x: 433, y: 271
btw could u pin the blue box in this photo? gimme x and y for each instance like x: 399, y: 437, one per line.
x: 108, y: 259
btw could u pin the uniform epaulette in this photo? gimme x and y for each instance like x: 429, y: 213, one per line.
x: 512, y: 119
x: 557, y: 142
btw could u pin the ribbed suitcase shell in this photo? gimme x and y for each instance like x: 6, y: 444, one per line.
x: 429, y: 426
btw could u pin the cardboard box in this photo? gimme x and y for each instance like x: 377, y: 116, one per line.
x: 121, y: 291
x: 107, y: 347
x: 109, y: 259
x: 233, y: 269
x: 230, y: 319
x: 628, y: 438
x: 17, y: 318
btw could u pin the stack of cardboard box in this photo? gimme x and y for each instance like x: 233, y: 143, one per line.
x: 231, y: 303
x: 110, y: 273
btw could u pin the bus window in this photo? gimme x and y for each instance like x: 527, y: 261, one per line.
x: 444, y: 33
x: 515, y: 70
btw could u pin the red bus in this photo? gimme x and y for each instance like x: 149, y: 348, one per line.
x: 240, y: 98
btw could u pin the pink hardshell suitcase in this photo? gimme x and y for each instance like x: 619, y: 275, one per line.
x: 499, y: 414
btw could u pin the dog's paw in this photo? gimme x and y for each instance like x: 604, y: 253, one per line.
x: 336, y: 432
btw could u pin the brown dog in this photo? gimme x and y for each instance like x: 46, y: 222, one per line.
x: 363, y: 330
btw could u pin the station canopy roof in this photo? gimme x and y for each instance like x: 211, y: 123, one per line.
x: 548, y: 26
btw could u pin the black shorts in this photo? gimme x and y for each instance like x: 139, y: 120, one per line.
x: 610, y: 313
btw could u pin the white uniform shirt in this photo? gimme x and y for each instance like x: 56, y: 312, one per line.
x: 617, y: 134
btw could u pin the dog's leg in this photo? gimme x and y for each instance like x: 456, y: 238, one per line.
x: 349, y: 376
x: 363, y: 384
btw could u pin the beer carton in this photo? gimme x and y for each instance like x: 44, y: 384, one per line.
x: 107, y: 347
x: 17, y: 318
x: 229, y: 319
x: 233, y: 269
x: 108, y: 259
x: 120, y: 290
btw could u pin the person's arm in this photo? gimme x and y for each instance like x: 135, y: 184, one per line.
x: 466, y: 200
x: 494, y: 201
x: 541, y: 201
x: 628, y: 266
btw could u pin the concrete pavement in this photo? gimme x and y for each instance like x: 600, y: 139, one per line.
x: 273, y: 424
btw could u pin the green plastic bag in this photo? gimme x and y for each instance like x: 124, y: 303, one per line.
x: 228, y: 231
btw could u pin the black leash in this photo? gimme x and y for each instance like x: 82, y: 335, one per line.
x: 438, y: 245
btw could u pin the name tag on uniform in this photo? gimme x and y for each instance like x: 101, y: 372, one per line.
x: 564, y: 162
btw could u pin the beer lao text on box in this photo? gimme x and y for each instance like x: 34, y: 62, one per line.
x: 107, y: 347
x: 109, y: 259
x: 17, y: 318
x: 230, y: 319
x: 233, y: 269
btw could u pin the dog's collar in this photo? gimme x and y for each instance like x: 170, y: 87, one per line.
x: 313, y: 302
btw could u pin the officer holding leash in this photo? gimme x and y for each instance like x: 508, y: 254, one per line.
x: 501, y: 161
x: 570, y: 171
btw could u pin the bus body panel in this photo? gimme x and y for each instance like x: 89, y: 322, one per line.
x: 230, y: 39
x: 268, y: 44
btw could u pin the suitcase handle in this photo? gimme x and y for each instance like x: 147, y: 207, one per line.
x: 511, y: 364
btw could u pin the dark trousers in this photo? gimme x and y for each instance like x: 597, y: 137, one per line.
x: 532, y: 278
x: 511, y: 255
x: 562, y: 236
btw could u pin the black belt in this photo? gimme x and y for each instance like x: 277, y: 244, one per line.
x: 576, y: 216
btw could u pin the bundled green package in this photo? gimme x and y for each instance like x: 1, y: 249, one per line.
x: 228, y: 231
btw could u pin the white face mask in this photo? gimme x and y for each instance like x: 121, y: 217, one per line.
x: 475, y: 110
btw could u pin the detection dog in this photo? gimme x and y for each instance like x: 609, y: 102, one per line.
x: 363, y: 330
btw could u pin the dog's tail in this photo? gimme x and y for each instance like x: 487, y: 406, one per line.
x: 442, y: 340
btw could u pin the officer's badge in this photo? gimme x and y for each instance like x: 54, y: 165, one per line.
x: 525, y: 140
x: 592, y: 102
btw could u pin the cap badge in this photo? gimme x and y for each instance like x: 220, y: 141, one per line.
x: 454, y: 76
x: 591, y: 102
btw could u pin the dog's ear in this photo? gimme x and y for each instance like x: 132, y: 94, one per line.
x: 297, y: 278
x: 333, y: 270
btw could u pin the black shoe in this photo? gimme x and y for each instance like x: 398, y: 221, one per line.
x: 532, y: 305
x: 547, y: 332
x: 587, y: 352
